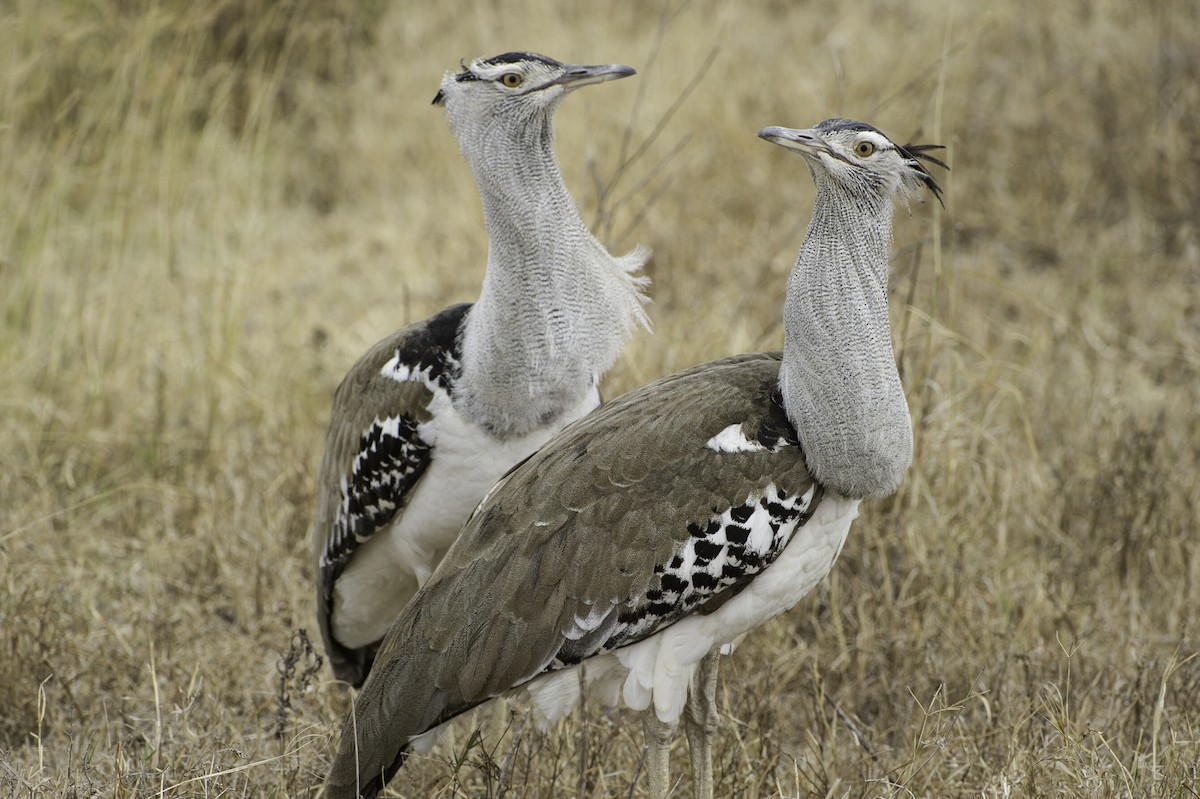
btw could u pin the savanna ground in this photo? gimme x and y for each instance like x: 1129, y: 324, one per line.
x: 207, y: 210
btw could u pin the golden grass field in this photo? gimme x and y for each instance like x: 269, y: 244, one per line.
x: 208, y: 210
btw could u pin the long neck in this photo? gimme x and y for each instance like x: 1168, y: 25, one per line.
x: 839, y: 380
x: 555, y: 306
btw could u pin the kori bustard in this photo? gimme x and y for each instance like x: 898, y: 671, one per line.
x: 431, y: 416
x: 621, y: 557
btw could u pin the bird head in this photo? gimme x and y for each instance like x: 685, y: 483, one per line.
x: 514, y: 88
x: 860, y: 159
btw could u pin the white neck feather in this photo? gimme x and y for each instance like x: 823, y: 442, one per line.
x: 839, y: 380
x: 555, y: 307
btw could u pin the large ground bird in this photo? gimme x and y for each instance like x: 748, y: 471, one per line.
x: 428, y: 419
x: 621, y: 557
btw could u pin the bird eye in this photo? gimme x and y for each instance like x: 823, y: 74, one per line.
x: 511, y: 79
x: 863, y: 149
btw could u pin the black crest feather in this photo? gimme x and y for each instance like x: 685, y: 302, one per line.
x: 920, y: 152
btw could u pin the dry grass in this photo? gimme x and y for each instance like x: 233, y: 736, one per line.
x: 207, y: 210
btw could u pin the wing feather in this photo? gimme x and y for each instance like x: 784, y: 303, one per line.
x: 375, y: 454
x: 584, y: 525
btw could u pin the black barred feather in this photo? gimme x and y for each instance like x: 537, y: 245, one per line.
x: 920, y: 152
x: 391, y: 458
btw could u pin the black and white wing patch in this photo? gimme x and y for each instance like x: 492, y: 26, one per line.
x: 391, y: 458
x: 375, y: 453
x: 721, y: 553
x: 719, y: 558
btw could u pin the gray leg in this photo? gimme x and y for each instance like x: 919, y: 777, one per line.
x: 658, y: 752
x: 700, y: 723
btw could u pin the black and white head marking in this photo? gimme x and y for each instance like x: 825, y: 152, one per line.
x: 491, y: 68
x: 861, y: 159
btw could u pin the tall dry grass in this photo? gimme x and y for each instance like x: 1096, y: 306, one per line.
x: 208, y: 210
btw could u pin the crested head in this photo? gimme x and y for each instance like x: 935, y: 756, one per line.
x: 519, y: 87
x: 860, y: 159
x: 838, y: 378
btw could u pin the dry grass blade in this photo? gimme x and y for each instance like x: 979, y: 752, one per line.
x: 607, y: 201
x: 208, y: 210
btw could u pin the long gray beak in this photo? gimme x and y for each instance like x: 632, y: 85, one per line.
x: 805, y: 142
x: 583, y: 75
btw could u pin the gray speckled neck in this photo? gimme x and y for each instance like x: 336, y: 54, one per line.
x: 838, y: 378
x: 555, y: 306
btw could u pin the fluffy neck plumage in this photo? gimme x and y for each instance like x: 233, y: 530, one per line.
x: 555, y: 306
x: 839, y: 380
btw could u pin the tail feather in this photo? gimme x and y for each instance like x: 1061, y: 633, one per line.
x: 377, y: 734
x: 389, y: 715
x: 355, y: 773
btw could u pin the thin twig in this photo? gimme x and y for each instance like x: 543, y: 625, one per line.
x: 660, y: 126
x: 637, y: 772
x: 502, y: 781
x: 627, y: 153
x: 859, y: 737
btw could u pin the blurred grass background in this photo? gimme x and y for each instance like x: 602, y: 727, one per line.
x: 208, y: 210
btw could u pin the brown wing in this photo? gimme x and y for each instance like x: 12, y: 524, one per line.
x: 375, y: 456
x: 593, y: 520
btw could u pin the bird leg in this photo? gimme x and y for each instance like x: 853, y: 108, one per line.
x: 700, y: 723
x: 658, y: 752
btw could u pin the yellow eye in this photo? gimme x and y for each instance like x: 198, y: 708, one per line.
x: 511, y: 79
x: 864, y: 149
